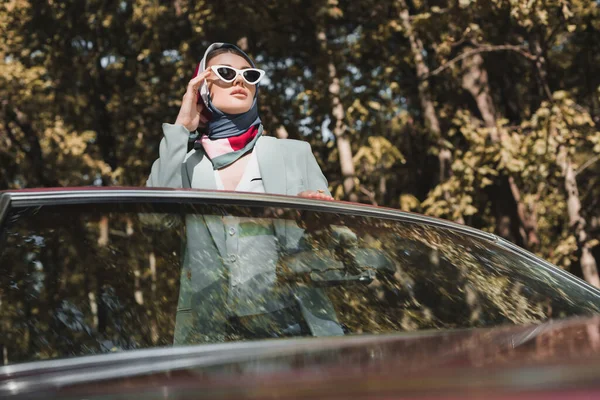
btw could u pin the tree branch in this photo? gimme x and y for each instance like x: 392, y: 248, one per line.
x: 178, y: 8
x: 368, y: 193
x: 478, y: 50
x: 13, y: 138
x: 587, y: 164
x: 34, y: 153
x: 437, y: 12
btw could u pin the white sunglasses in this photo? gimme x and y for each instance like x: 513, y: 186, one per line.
x: 228, y: 74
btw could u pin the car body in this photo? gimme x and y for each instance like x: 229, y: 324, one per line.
x: 92, y: 287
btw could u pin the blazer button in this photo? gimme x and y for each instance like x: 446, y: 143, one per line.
x: 232, y: 258
x: 231, y: 231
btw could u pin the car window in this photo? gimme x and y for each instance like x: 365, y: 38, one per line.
x: 96, y: 278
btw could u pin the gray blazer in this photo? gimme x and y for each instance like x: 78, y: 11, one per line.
x: 287, y: 167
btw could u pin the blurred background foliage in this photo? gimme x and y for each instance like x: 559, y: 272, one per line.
x: 484, y: 112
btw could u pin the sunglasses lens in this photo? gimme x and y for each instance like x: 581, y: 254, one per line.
x: 226, y: 73
x: 252, y: 76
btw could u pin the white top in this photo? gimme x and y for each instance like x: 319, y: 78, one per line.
x: 251, y: 181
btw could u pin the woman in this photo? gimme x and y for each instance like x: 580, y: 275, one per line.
x: 234, y: 141
x: 233, y: 271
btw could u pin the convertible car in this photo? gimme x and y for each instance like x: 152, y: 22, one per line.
x: 114, y: 293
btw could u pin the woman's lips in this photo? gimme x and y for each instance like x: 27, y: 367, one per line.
x: 239, y: 93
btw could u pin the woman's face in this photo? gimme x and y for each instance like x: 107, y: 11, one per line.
x: 235, y: 97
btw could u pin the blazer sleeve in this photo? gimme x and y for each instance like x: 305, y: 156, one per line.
x: 166, y: 170
x: 314, y: 176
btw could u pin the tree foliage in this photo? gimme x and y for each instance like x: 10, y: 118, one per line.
x: 512, y: 88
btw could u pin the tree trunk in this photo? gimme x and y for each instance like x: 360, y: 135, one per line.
x: 138, y: 294
x: 427, y: 106
x: 100, y: 97
x: 93, y: 308
x: 178, y: 7
x: 577, y: 223
x: 154, y: 332
x: 103, y: 227
x: 507, y: 195
x: 475, y: 81
x: 540, y: 67
x: 281, y: 132
x: 97, y: 305
x: 382, y: 188
x: 340, y: 129
x: 32, y: 149
x: 416, y: 46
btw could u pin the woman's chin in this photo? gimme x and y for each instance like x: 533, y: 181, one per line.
x: 234, y: 110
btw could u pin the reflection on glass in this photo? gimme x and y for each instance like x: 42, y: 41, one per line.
x: 90, y: 279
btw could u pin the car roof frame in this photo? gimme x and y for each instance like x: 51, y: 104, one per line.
x: 63, y: 196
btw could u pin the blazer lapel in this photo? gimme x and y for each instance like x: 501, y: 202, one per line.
x: 201, y: 171
x: 217, y: 231
x: 202, y: 175
x: 271, y: 164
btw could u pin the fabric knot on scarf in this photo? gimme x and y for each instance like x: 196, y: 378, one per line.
x: 225, y: 151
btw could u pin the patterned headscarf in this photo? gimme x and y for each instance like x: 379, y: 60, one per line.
x: 222, y: 125
x: 230, y: 136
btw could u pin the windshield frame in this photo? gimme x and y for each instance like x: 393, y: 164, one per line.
x: 10, y: 200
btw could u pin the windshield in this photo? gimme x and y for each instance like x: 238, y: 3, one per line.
x: 95, y: 278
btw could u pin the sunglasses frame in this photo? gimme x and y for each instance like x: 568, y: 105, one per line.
x: 238, y: 72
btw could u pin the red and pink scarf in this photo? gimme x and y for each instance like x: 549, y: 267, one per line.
x: 226, y: 151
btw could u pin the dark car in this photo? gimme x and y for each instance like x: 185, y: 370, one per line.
x: 123, y: 292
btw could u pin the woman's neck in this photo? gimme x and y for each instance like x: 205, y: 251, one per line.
x: 232, y: 174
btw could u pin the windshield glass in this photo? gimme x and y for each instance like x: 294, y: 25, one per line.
x: 89, y: 279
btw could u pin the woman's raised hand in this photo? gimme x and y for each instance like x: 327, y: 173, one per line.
x: 191, y: 108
